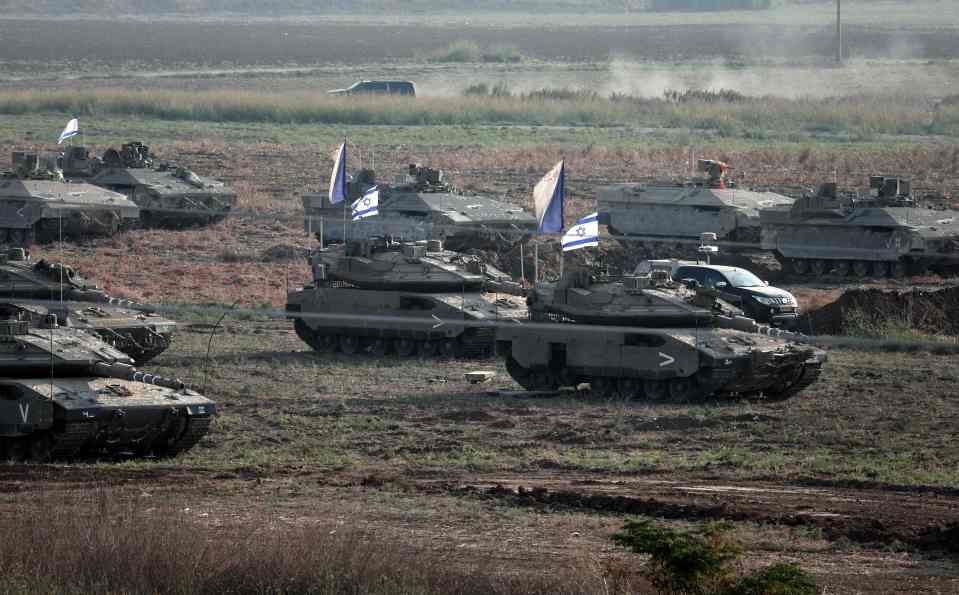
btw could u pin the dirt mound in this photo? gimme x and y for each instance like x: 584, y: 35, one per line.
x: 871, y: 311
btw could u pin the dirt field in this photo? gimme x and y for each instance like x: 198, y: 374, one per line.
x: 856, y: 480
x: 841, y: 479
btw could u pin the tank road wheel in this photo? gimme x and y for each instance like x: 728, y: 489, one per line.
x: 880, y: 269
x: 800, y: 266
x: 16, y: 449
x: 630, y: 388
x: 350, y: 344
x: 602, y: 387
x: 818, y: 267
x: 842, y: 268
x: 898, y: 269
x: 655, y: 390
x: 426, y: 348
x: 683, y: 389
x: 380, y: 347
x: 404, y: 347
x: 450, y: 348
x: 860, y: 268
x: 325, y: 343
x: 41, y: 446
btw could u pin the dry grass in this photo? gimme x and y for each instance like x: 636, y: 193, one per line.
x: 121, y: 542
x: 856, y: 116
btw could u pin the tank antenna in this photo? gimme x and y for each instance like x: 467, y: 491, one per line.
x: 209, y: 344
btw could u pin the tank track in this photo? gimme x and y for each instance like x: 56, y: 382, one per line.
x: 196, y: 429
x: 477, y: 343
x: 808, y: 376
x: 700, y: 386
x: 70, y: 441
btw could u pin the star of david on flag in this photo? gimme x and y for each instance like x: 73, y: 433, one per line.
x: 584, y: 233
x: 367, y: 205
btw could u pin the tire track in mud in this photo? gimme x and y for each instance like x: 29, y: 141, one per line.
x: 921, y: 518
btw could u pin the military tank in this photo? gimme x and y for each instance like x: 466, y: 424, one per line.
x: 382, y: 297
x: 420, y: 205
x: 37, y: 205
x: 668, y: 217
x: 649, y: 337
x: 65, y: 393
x: 167, y: 194
x: 843, y: 234
x: 41, y: 288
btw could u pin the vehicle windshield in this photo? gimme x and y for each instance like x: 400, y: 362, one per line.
x: 743, y: 278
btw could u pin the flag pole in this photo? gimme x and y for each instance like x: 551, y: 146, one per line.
x: 535, y: 263
x: 522, y: 262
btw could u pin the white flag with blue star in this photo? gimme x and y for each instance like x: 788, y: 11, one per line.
x: 584, y: 233
x: 72, y: 129
x: 367, y: 205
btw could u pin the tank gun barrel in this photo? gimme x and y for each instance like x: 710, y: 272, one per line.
x: 128, y: 372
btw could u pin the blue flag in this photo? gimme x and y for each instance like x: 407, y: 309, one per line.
x: 584, y: 233
x: 548, y: 199
x: 338, y: 177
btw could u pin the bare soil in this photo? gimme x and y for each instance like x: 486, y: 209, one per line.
x: 93, y: 43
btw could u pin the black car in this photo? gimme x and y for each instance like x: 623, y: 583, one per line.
x: 377, y: 88
x: 756, y: 298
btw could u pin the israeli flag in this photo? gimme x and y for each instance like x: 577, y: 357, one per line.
x: 584, y: 233
x: 72, y: 129
x: 338, y: 177
x: 548, y: 197
x: 367, y: 205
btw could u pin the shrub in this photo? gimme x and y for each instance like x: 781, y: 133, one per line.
x: 701, y: 562
x: 778, y: 579
x: 683, y: 562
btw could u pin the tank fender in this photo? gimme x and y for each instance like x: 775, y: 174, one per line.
x: 27, y: 414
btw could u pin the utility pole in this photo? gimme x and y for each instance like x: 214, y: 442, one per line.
x: 839, y: 31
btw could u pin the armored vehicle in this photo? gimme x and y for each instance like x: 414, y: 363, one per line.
x: 41, y: 288
x: 420, y: 206
x: 381, y: 297
x: 885, y: 233
x: 649, y: 337
x: 168, y: 195
x: 64, y: 392
x: 669, y: 213
x: 37, y: 205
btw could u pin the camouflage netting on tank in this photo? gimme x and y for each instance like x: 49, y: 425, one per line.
x: 876, y: 312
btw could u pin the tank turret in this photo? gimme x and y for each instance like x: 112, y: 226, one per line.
x: 167, y: 194
x: 649, y: 337
x: 66, y: 393
x: 403, y: 298
x: 420, y: 205
x: 884, y: 233
x: 37, y: 288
